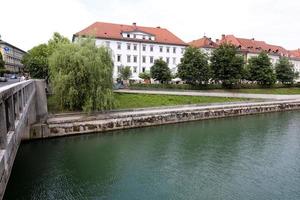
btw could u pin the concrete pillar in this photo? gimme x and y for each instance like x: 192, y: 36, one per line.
x: 3, y: 128
x: 41, y: 101
x: 10, y: 113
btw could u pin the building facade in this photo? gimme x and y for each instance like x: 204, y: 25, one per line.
x: 136, y: 46
x: 12, y: 56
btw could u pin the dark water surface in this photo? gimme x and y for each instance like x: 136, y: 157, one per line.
x: 252, y: 157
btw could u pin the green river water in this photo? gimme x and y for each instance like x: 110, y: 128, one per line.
x: 250, y: 157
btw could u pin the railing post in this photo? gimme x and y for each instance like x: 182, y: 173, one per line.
x: 3, y: 128
x: 10, y: 113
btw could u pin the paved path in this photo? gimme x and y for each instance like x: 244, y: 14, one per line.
x: 213, y: 94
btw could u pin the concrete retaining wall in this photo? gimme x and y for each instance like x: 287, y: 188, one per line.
x: 68, y: 125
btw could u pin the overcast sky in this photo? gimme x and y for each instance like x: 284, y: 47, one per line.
x: 28, y: 23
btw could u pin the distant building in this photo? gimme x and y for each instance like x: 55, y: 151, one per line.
x: 12, y: 56
x: 136, y: 46
x: 250, y: 48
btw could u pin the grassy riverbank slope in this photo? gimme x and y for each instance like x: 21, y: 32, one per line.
x: 127, y: 101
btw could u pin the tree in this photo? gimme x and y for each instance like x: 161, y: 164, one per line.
x: 227, y: 65
x: 36, y: 60
x: 2, y: 65
x: 194, y: 67
x: 81, y: 76
x: 260, y: 70
x: 160, y: 71
x: 285, y: 72
x: 125, y: 73
x: 145, y: 75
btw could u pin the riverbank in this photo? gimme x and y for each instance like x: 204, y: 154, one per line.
x: 71, y: 124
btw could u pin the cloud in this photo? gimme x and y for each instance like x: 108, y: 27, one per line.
x: 34, y: 21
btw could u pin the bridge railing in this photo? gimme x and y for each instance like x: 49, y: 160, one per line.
x: 14, y: 100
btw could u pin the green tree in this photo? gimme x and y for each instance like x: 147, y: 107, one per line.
x: 160, y: 71
x: 285, y: 72
x: 227, y: 65
x: 145, y: 75
x: 194, y: 67
x: 2, y: 65
x: 81, y: 76
x: 36, y: 60
x: 260, y: 70
x: 125, y: 73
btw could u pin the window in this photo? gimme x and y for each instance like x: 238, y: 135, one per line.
x: 144, y: 47
x: 144, y: 37
x: 144, y: 59
x: 128, y: 58
x: 119, y: 45
x: 107, y: 43
x: 174, y: 49
x: 134, y: 69
x: 160, y: 49
x: 128, y: 35
x: 168, y: 49
x: 151, y: 59
x: 151, y: 48
x: 135, y: 47
x: 143, y: 69
x: 119, y: 58
x: 134, y: 59
x: 174, y: 61
x: 182, y: 50
x: 167, y: 60
x: 128, y: 46
x: 134, y: 36
x: 119, y: 68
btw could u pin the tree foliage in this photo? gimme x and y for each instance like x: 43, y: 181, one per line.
x: 194, y: 67
x: 285, y: 72
x: 260, y: 69
x: 160, y: 71
x: 81, y: 76
x: 145, y: 75
x: 36, y: 60
x: 2, y: 64
x: 227, y: 65
x: 125, y: 73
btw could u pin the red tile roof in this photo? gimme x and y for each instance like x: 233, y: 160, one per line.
x: 114, y: 31
x: 252, y: 45
x: 204, y: 42
x: 295, y: 53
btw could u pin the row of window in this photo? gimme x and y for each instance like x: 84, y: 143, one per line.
x: 133, y: 69
x: 144, y: 47
x: 144, y: 59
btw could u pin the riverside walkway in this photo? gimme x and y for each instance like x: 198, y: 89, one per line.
x: 212, y: 94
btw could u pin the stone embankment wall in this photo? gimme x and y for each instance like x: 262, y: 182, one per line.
x: 79, y: 124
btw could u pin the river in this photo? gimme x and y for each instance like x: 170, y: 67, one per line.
x: 249, y: 157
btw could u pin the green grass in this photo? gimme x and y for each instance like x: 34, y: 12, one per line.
x: 128, y: 101
x: 288, y: 91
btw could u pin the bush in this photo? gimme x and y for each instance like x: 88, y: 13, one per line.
x: 81, y: 76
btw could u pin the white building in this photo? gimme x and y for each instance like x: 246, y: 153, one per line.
x: 136, y: 46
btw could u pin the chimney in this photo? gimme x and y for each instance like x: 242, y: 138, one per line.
x: 217, y: 40
x: 253, y: 39
x: 158, y: 27
x: 134, y: 23
x: 223, y: 36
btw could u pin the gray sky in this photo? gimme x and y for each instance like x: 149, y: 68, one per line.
x: 31, y: 22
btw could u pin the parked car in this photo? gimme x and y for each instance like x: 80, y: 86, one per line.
x: 3, y: 79
x: 13, y: 76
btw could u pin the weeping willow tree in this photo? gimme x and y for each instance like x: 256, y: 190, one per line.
x: 81, y: 76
